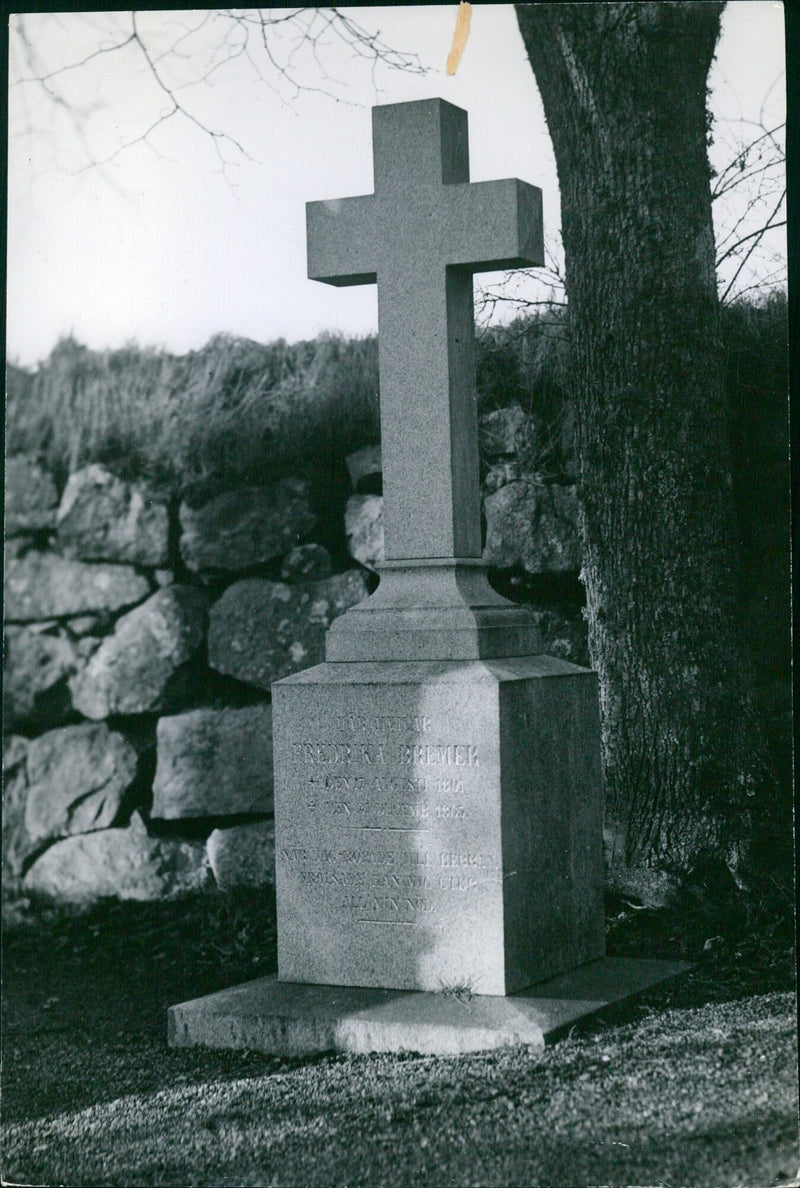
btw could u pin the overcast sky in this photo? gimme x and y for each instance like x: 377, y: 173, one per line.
x: 163, y: 246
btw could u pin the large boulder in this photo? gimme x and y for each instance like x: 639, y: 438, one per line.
x: 213, y: 763
x: 102, y: 518
x: 532, y: 526
x: 508, y: 470
x: 119, y: 864
x: 246, y: 527
x: 36, y: 668
x: 261, y: 631
x: 16, y: 546
x: 31, y: 496
x: 84, y: 626
x: 243, y: 856
x: 363, y: 527
x: 145, y: 665
x: 45, y: 586
x: 17, y: 844
x: 78, y: 778
x: 564, y: 635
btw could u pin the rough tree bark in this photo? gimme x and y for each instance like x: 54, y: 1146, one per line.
x: 624, y: 93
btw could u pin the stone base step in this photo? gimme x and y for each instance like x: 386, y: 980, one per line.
x: 293, y: 1019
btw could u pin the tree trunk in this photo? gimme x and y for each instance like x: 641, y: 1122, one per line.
x: 624, y: 93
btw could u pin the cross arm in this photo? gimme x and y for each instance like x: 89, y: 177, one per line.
x: 495, y: 224
x: 342, y: 248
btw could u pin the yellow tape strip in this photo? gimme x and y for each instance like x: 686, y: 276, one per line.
x: 459, y: 37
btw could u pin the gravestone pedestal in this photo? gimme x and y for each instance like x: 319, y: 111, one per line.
x: 433, y: 609
x: 438, y: 800
x: 437, y: 824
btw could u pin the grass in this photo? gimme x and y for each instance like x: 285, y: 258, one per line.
x: 238, y: 411
x: 458, y: 991
x: 233, y: 412
x: 693, y: 1084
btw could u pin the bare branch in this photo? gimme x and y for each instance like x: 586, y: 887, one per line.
x: 277, y: 40
x: 217, y: 137
x: 42, y: 79
x: 748, y: 193
x: 732, y: 174
x: 754, y: 234
x: 757, y: 234
x: 735, y: 181
x: 756, y: 237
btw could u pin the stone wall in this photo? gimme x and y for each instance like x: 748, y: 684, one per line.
x: 142, y: 635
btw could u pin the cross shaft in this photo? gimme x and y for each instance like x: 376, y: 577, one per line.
x: 421, y: 236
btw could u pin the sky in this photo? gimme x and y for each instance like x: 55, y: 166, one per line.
x: 181, y: 235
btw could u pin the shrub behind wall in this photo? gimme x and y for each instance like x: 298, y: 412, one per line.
x: 234, y: 412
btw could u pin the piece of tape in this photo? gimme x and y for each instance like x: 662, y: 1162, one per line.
x: 459, y: 37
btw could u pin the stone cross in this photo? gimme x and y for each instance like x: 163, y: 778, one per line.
x: 438, y: 801
x: 421, y: 236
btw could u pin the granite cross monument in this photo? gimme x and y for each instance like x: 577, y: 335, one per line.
x: 438, y: 804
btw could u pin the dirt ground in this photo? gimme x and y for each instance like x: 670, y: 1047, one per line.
x: 694, y: 1084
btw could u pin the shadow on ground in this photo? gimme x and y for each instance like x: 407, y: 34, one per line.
x: 693, y: 1083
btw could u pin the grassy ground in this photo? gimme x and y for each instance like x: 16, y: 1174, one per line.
x: 693, y: 1085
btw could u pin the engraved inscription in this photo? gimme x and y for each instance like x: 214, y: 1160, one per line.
x: 458, y: 754
x: 369, y: 871
x: 399, y: 787
x: 420, y: 754
x: 399, y: 724
x: 387, y: 909
x: 393, y: 783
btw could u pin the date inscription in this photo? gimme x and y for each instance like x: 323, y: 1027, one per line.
x: 383, y: 790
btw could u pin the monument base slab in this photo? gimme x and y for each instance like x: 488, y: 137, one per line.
x: 295, y: 1019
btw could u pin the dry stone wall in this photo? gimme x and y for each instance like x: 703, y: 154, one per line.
x: 141, y: 639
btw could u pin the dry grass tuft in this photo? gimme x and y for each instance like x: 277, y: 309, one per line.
x: 235, y: 411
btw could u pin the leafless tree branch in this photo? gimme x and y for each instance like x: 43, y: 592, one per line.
x: 750, y: 190
x: 734, y: 172
x: 756, y: 237
x: 277, y: 40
